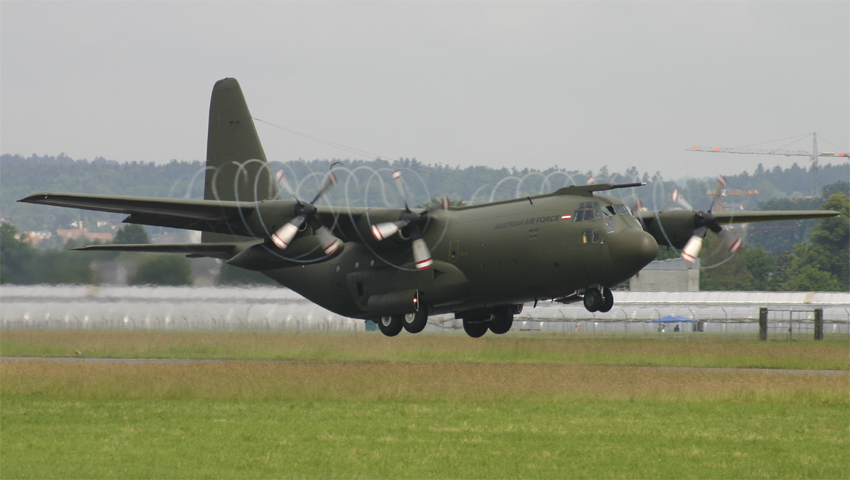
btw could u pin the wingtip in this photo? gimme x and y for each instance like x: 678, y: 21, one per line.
x: 35, y: 198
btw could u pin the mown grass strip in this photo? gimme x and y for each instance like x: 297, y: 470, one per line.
x: 442, y: 348
x: 88, y: 438
x: 412, y: 382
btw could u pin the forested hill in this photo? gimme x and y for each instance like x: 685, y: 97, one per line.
x: 23, y: 176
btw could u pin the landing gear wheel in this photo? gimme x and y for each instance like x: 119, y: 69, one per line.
x: 474, y: 327
x: 415, y: 322
x: 503, y: 320
x: 593, y: 299
x: 390, y: 325
x: 607, y: 301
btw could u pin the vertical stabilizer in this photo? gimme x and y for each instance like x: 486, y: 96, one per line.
x: 237, y: 168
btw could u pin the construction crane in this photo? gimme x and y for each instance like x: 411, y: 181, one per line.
x: 724, y: 192
x: 813, y: 155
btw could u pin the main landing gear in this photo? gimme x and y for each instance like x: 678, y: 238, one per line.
x: 596, y: 301
x: 391, y: 325
x: 498, y: 320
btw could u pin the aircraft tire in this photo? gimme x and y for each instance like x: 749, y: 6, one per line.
x: 415, y: 322
x: 503, y: 320
x: 607, y: 301
x: 390, y: 325
x: 474, y: 327
x: 593, y: 299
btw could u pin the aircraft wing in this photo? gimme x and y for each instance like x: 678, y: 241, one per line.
x: 727, y: 217
x: 771, y: 216
x: 204, y: 215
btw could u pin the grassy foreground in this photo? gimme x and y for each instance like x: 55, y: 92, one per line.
x: 349, y: 406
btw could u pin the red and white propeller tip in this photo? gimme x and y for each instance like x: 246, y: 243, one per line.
x: 421, y: 255
x: 677, y: 197
x: 730, y: 239
x: 691, y: 250
x: 385, y: 230
x: 284, y: 235
x: 280, y: 179
x: 329, y: 243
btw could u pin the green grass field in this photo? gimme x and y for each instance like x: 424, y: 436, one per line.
x: 425, y: 406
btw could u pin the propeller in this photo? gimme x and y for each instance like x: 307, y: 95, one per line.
x: 705, y: 221
x: 305, y: 212
x: 413, y: 221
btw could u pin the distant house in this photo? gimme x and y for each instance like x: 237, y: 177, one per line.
x: 34, y: 237
x: 82, y: 233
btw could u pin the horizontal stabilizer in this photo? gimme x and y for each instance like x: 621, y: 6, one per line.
x: 216, y: 250
x: 197, y: 209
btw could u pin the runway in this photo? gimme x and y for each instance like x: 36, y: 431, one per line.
x: 141, y: 361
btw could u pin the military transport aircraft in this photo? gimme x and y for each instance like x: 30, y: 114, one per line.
x: 398, y: 266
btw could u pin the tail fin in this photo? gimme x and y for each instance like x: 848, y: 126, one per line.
x: 237, y: 168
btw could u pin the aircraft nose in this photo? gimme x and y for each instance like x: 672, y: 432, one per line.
x: 632, y: 249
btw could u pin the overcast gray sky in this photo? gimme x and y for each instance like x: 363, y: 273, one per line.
x: 574, y: 84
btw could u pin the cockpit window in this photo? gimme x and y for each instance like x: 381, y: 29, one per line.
x: 592, y: 211
x: 587, y: 211
x: 622, y: 210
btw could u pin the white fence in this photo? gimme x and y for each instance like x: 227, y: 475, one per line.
x: 270, y: 308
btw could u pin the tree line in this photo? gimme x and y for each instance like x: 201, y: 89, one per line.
x: 22, y: 176
x: 793, y: 255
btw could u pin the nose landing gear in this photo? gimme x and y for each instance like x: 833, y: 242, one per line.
x: 596, y: 301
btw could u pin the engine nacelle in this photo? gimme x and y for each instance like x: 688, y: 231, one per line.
x: 675, y: 228
x: 265, y: 256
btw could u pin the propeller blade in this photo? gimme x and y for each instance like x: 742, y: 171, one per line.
x: 280, y: 178
x: 329, y: 182
x: 421, y: 255
x: 638, y: 205
x: 443, y: 205
x: 329, y: 242
x: 397, y: 180
x: 591, y: 180
x: 384, y: 230
x: 718, y: 192
x: 677, y: 197
x: 284, y: 235
x: 730, y: 239
x: 692, y: 248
